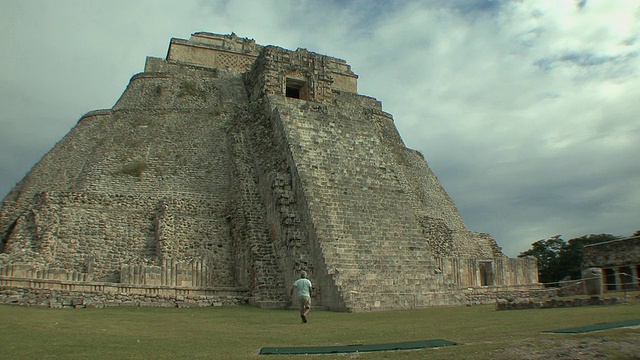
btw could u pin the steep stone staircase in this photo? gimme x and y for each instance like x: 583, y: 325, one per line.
x: 373, y: 245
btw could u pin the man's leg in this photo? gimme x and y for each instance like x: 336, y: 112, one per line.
x: 303, y: 315
x: 305, y: 309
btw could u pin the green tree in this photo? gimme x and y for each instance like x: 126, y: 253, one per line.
x: 558, y: 259
x: 547, y: 252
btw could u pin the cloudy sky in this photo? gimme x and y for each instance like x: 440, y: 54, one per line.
x: 527, y: 111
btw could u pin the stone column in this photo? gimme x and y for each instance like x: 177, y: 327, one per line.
x: 592, y: 281
x: 616, y: 276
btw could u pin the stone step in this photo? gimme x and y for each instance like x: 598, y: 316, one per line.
x: 359, y: 282
x: 375, y: 247
x: 380, y: 256
x: 389, y: 255
x: 362, y: 301
x: 371, y: 279
x: 404, y: 267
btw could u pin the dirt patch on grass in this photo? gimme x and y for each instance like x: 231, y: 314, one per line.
x: 589, y: 348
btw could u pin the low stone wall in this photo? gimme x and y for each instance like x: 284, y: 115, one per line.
x: 491, y: 294
x: 70, y: 294
x: 520, y: 304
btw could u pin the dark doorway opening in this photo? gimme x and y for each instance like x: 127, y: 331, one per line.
x: 486, y: 273
x: 610, y: 279
x: 293, y: 92
x: 296, y: 89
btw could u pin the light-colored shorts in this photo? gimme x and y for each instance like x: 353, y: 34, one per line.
x: 305, y: 302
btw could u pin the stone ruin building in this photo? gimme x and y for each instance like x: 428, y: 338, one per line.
x: 220, y: 173
x: 618, y: 261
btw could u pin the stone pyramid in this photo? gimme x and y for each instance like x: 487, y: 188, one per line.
x: 222, y: 172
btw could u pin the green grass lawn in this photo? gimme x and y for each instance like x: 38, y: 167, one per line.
x: 239, y: 332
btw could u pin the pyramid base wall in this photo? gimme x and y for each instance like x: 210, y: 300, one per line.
x: 76, y: 294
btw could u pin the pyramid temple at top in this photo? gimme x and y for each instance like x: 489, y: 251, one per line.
x: 223, y: 171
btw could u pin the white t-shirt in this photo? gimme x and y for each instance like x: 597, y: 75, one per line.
x: 303, y: 287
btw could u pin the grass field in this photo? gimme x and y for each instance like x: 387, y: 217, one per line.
x: 239, y: 332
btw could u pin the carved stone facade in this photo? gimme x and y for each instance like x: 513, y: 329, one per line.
x: 619, y: 261
x: 225, y: 169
